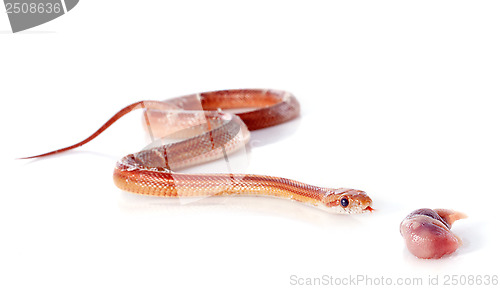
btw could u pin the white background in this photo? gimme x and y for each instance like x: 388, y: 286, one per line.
x: 399, y: 99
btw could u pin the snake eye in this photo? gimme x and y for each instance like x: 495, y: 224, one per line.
x: 344, y: 202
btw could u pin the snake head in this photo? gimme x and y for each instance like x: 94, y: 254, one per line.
x: 347, y: 201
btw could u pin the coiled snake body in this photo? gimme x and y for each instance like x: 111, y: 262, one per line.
x: 209, y: 133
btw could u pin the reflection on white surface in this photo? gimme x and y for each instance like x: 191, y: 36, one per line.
x: 246, y: 205
x: 274, y: 134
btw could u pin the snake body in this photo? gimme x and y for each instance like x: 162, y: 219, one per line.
x: 209, y: 133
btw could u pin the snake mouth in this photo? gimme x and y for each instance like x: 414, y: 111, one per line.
x: 368, y: 208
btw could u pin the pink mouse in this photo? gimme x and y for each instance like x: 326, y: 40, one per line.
x: 427, y: 232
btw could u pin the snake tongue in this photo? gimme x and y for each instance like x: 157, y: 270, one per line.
x: 368, y: 208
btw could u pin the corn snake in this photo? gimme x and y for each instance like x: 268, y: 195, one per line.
x: 209, y: 133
